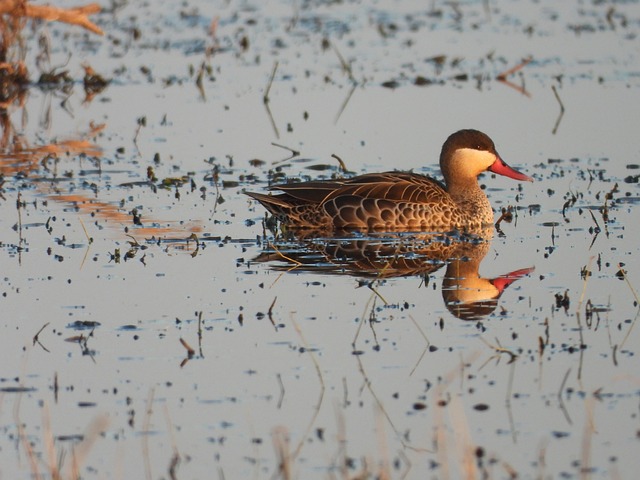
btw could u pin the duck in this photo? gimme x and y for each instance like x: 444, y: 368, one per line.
x: 395, y: 200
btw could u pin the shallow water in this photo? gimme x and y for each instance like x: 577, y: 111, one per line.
x: 319, y: 367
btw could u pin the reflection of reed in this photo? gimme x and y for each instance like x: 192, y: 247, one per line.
x: 17, y: 157
x: 466, y: 294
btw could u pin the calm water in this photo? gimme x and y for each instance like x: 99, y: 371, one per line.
x: 327, y: 367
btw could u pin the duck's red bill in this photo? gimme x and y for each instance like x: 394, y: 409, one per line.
x: 501, y: 168
x: 503, y: 281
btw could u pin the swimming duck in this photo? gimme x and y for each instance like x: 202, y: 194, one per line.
x: 395, y: 201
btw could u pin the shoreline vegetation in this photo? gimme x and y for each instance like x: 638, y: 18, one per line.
x: 14, y: 75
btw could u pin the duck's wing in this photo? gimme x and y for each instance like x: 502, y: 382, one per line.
x: 307, y: 192
x: 392, y: 186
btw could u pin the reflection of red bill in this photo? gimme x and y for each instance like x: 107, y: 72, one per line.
x: 501, y: 168
x: 503, y: 281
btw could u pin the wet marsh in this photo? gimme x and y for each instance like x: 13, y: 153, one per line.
x: 153, y: 328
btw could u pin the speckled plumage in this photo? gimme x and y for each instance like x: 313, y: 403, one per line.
x: 396, y: 200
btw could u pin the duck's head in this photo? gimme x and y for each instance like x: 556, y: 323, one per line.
x: 468, y: 153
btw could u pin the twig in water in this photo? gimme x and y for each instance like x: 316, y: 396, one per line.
x: 280, y: 400
x: 345, y: 65
x: 200, y: 333
x: 500, y: 349
x: 142, y: 122
x: 343, y: 166
x: 265, y: 100
x: 294, y: 153
x: 296, y: 262
x: 373, y: 289
x: 626, y: 279
x: 426, y: 348
x: 372, y: 298
x: 199, y: 78
x: 560, y: 390
x: 345, y: 102
x: 270, y: 313
x: 89, y: 239
x: 512, y: 70
x: 265, y: 97
x: 555, y: 93
x: 594, y: 230
x: 502, y: 77
x: 190, y: 351
x: 37, y: 340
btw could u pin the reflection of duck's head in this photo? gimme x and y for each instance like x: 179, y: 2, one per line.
x: 471, y: 297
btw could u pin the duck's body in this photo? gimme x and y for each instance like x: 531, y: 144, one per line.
x: 395, y: 200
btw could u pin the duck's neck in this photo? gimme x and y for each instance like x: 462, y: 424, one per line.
x: 471, y: 200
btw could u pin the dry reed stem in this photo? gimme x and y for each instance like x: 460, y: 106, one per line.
x: 280, y: 439
x: 145, y: 435
x: 275, y: 249
x: 561, y: 402
x: 73, y: 16
x: 462, y: 439
x: 502, y: 77
x: 176, y: 457
x: 587, y: 434
x: 521, y: 65
x: 461, y: 428
x: 383, y: 448
x: 81, y: 450
x: 426, y: 348
x: 49, y: 444
x: 343, y: 166
x: 368, y: 385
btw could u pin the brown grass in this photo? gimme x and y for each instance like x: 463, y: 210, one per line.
x: 73, y: 16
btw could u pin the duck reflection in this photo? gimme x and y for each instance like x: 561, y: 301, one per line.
x: 466, y: 294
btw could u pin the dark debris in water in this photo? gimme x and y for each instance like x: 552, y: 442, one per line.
x: 83, y: 325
